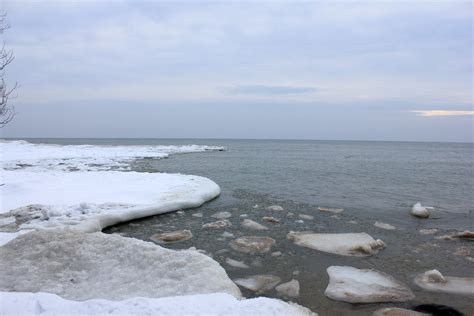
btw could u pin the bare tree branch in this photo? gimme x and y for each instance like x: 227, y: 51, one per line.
x: 7, y: 111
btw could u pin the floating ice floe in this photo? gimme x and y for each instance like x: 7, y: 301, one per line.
x: 171, y: 237
x: 420, y: 211
x: 289, y: 289
x: 112, y: 197
x: 275, y: 208
x: 468, y: 235
x: 252, y: 244
x: 271, y: 219
x: 353, y: 285
x: 218, y: 224
x: 462, y: 251
x: 434, y: 281
x: 395, y: 311
x: 82, y: 266
x: 258, y: 283
x: 222, y: 215
x: 250, y: 224
x: 204, y: 304
x: 304, y: 216
x: 331, y: 209
x: 197, y: 214
x: 352, y: 244
x: 227, y: 235
x: 299, y: 221
x: 236, y: 263
x: 276, y: 254
x: 384, y: 226
x: 429, y: 231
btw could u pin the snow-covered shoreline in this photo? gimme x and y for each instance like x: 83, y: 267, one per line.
x: 74, y: 192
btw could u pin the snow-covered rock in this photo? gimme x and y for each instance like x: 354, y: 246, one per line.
x: 82, y: 266
x: 217, y: 224
x: 351, y: 244
x: 221, y: 215
x: 258, y: 283
x: 46, y: 304
x: 420, y: 211
x: 250, y: 224
x: 434, y: 281
x: 57, y: 199
x: 395, y: 311
x: 276, y: 208
x: 330, y: 209
x: 236, y: 263
x: 252, y: 244
x: 289, y: 289
x: 354, y: 285
x: 171, y: 237
x: 384, y: 226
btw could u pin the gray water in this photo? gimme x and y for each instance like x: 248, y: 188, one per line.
x: 370, y: 180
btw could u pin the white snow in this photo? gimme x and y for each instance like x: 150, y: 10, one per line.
x: 40, y: 157
x: 250, y: 224
x: 434, y: 281
x: 420, y: 211
x: 354, y: 285
x: 205, y: 304
x: 351, y: 244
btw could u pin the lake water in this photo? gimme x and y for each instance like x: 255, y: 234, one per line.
x: 371, y: 181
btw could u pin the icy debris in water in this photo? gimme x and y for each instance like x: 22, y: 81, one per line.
x: 165, y: 238
x: 290, y: 214
x: 180, y: 212
x: 252, y: 244
x: 275, y: 208
x: 227, y: 235
x: 354, y: 285
x: 289, y: 289
x: 276, y: 254
x: 395, y: 311
x: 250, y: 224
x: 243, y: 215
x: 420, y: 211
x: 352, y: 244
x: 81, y: 266
x: 218, y: 224
x: 271, y: 219
x: 434, y: 281
x: 255, y: 206
x: 221, y: 215
x: 197, y: 214
x: 468, y: 235
x: 331, y: 209
x: 296, y: 272
x: 335, y: 216
x: 353, y: 222
x: 304, y: 216
x: 219, y: 252
x: 236, y: 264
x: 384, y: 226
x: 258, y: 283
x: 462, y: 251
x: 430, y: 231
x: 299, y: 221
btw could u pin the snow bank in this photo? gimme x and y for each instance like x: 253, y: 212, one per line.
x: 352, y: 244
x: 353, y: 285
x: 40, y: 157
x: 82, y: 266
x: 90, y: 201
x: 208, y: 304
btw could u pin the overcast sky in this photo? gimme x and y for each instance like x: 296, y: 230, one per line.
x: 375, y: 70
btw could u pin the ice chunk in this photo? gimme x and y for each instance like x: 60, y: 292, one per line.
x: 434, y: 281
x: 205, y: 304
x: 227, y: 235
x: 289, y: 289
x: 82, y: 266
x: 304, y: 216
x: 217, y: 224
x: 271, y: 219
x: 384, y: 226
x: 221, y: 215
x: 352, y: 244
x: 275, y: 208
x: 468, y: 235
x: 250, y: 224
x: 252, y: 244
x: 430, y: 231
x: 171, y: 237
x: 259, y: 283
x: 236, y: 264
x: 197, y: 214
x: 420, y: 211
x: 395, y: 311
x: 331, y: 209
x: 353, y: 285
